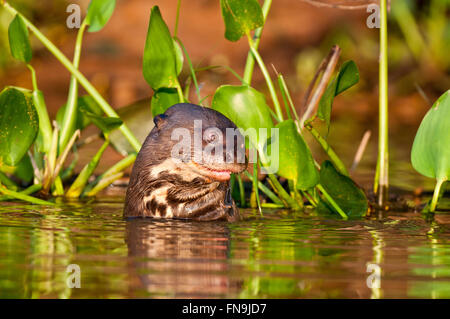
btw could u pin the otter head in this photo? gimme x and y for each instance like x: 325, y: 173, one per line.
x: 199, y: 140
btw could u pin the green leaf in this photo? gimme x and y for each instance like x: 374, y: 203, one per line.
x: 19, y: 42
x: 295, y: 159
x: 163, y: 99
x: 19, y: 125
x: 98, y: 14
x: 246, y: 107
x: 241, y: 17
x: 86, y: 102
x: 179, y: 57
x: 430, y: 154
x: 347, y: 77
x: 160, y: 57
x: 105, y: 124
x: 350, y: 198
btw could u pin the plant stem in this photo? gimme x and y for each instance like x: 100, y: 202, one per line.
x: 28, y: 191
x: 255, y: 184
x: 282, y: 193
x: 332, y: 202
x: 7, y: 182
x: 383, y: 152
x: 250, y: 64
x: 327, y: 148
x: 24, y: 197
x: 241, y: 190
x: 177, y: 19
x: 437, y: 191
x: 77, y: 74
x: 265, y: 190
x: 266, y: 74
x: 70, y: 114
x: 191, y: 68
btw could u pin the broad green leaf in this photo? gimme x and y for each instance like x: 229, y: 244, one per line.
x: 179, y: 57
x: 19, y: 125
x: 105, y: 124
x: 246, y: 107
x: 347, y: 77
x: 98, y: 14
x: 86, y: 102
x: 160, y: 57
x: 24, y: 170
x: 163, y: 99
x: 19, y: 43
x: 350, y: 198
x: 430, y: 154
x: 295, y: 160
x: 241, y: 17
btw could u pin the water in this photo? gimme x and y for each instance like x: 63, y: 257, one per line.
x: 282, y: 255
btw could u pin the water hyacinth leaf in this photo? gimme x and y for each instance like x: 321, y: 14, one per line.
x: 241, y: 17
x: 160, y: 57
x: 295, y: 159
x: 86, y: 102
x: 430, y: 154
x: 344, y: 191
x: 247, y: 108
x: 163, y: 99
x: 179, y: 57
x: 19, y: 125
x: 98, y: 14
x: 347, y: 77
x: 19, y: 42
x: 105, y: 124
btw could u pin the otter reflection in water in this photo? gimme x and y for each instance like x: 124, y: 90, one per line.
x: 184, y: 166
x: 174, y: 258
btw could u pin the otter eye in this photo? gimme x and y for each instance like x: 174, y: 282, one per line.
x: 212, y: 137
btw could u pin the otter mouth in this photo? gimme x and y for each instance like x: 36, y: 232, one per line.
x: 221, y: 175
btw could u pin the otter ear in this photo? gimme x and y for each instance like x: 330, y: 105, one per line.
x: 159, y: 120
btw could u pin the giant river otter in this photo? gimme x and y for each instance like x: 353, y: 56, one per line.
x: 184, y: 166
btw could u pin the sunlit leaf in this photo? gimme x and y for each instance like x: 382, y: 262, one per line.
x: 241, y: 17
x: 295, y: 160
x: 19, y: 42
x: 347, y: 77
x: 19, y: 125
x: 105, y: 124
x: 179, y: 57
x: 98, y: 14
x: 430, y: 154
x: 246, y: 107
x: 163, y: 99
x: 344, y: 191
x: 160, y: 57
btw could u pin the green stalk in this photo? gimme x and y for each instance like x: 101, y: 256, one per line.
x: 266, y: 74
x: 70, y: 114
x: 24, y: 197
x: 78, y: 75
x: 265, y: 190
x: 437, y: 191
x: 282, y: 193
x: 255, y: 184
x: 45, y: 127
x: 241, y: 190
x: 78, y: 185
x: 332, y: 202
x: 102, y: 184
x: 112, y: 171
x: 328, y: 150
x: 7, y: 182
x: 191, y: 68
x: 383, y: 151
x: 250, y: 64
x: 28, y: 191
x: 177, y: 20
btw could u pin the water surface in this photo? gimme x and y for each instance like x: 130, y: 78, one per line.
x: 280, y: 255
